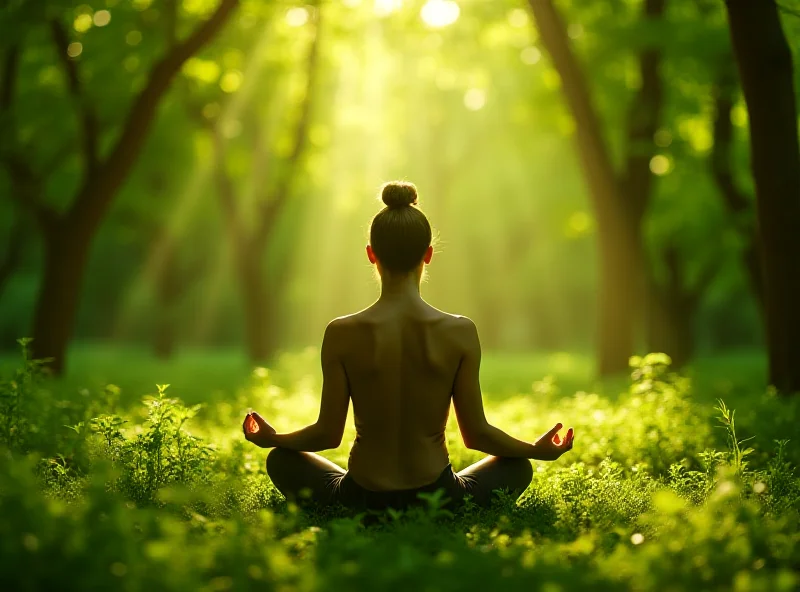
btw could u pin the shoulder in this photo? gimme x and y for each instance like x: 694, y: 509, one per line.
x: 337, y: 328
x: 341, y: 325
x: 462, y: 330
x: 341, y: 329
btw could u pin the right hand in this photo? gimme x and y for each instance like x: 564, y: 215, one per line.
x: 550, y: 446
x: 257, y: 430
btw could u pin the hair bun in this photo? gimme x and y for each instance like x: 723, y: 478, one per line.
x: 398, y: 194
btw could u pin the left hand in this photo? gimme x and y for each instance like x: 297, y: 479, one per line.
x: 550, y: 446
x: 257, y: 430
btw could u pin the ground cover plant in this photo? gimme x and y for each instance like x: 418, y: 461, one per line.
x: 668, y: 487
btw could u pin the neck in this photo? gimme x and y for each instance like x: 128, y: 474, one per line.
x: 400, y: 287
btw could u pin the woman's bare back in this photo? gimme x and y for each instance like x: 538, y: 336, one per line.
x: 401, y: 360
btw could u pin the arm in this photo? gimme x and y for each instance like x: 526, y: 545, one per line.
x: 477, y: 432
x: 327, y: 431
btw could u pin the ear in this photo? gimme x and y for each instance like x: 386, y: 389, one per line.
x: 428, y: 255
x: 371, y: 255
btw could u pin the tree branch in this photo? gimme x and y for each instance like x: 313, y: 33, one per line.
x: 92, y: 202
x: 86, y: 114
x: 271, y: 208
x: 171, y: 22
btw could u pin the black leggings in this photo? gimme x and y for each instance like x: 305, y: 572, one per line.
x: 308, y: 477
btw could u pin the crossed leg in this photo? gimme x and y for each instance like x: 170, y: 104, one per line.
x: 305, y: 476
x: 482, y: 478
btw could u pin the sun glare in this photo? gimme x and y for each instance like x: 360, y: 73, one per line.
x: 440, y: 13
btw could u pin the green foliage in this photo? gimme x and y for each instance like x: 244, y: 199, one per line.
x: 648, y: 499
x: 161, y: 453
x: 16, y: 394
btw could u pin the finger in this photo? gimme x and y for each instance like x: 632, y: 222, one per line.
x: 553, y: 431
x: 262, y: 423
x: 570, y: 435
x: 244, y: 423
x: 556, y: 440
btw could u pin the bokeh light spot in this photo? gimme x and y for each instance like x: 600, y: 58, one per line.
x: 131, y: 63
x: 211, y: 110
x: 133, y: 38
x: 518, y: 18
x: 83, y: 22
x: 297, y: 16
x: 660, y: 165
x: 102, y: 18
x: 439, y: 13
x: 530, y: 55
x: 231, y: 81
x: 575, y: 31
x: 474, y: 99
x: 637, y: 538
x: 74, y: 49
x: 578, y: 224
x: 662, y: 138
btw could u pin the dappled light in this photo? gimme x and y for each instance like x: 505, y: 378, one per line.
x: 611, y: 192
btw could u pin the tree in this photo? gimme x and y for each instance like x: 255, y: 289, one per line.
x: 619, y: 200
x: 764, y: 61
x: 68, y: 233
x: 250, y: 224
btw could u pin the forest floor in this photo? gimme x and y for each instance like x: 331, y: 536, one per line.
x: 107, y: 480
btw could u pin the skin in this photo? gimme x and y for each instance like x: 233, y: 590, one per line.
x: 402, y: 362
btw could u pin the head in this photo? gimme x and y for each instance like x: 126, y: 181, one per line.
x: 400, y: 234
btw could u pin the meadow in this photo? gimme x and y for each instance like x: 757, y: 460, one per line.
x: 133, y: 474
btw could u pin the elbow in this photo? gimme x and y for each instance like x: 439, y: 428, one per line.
x: 331, y: 443
x: 328, y: 440
x: 475, y: 439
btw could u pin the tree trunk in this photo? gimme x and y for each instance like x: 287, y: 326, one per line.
x: 259, y: 327
x: 65, y: 255
x: 765, y: 68
x: 671, y: 312
x: 168, y: 291
x: 617, y: 292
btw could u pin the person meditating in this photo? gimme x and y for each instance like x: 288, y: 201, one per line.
x: 401, y: 362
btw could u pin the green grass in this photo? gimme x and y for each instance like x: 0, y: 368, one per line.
x: 155, y: 492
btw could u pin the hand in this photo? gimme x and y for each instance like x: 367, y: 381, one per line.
x: 257, y: 430
x: 551, y: 446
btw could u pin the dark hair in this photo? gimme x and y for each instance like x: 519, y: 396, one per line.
x: 400, y: 233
